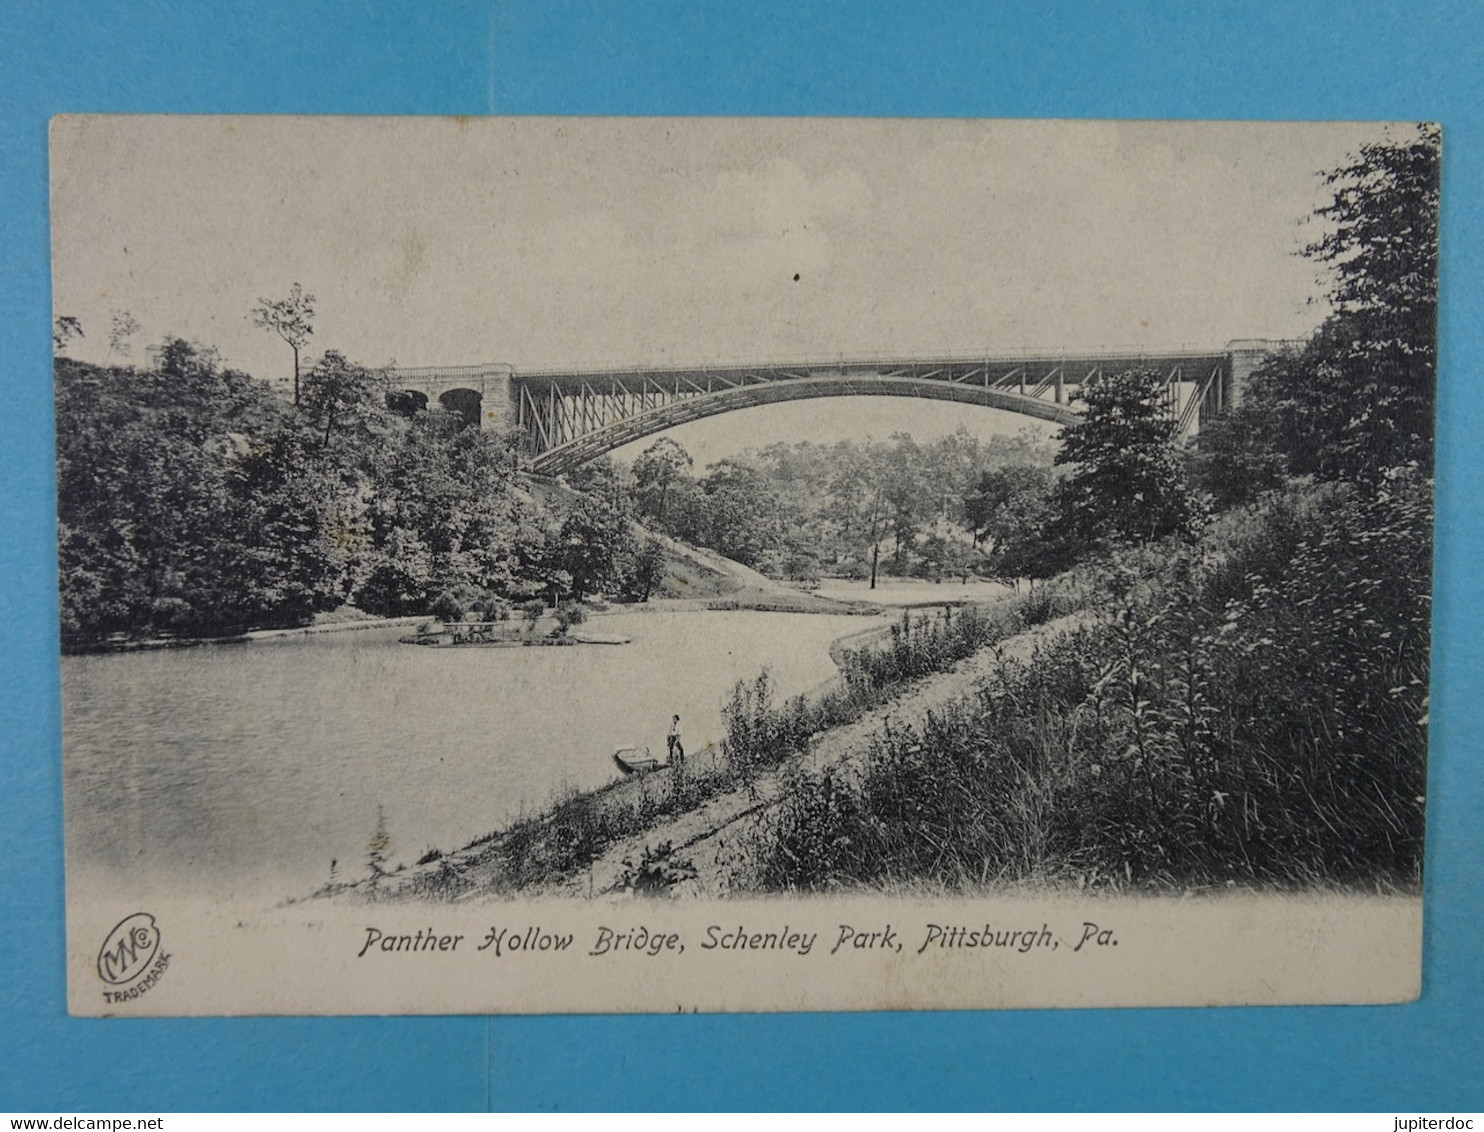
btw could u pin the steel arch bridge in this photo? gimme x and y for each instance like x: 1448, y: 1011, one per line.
x: 570, y: 416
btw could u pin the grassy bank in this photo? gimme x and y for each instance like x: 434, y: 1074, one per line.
x: 562, y: 840
x: 1248, y: 710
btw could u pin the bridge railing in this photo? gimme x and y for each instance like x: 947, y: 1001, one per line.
x: 1089, y: 352
x: 416, y: 372
x: 814, y: 361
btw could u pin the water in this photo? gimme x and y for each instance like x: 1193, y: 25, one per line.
x: 247, y: 769
x: 913, y: 591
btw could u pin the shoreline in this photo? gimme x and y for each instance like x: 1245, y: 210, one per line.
x: 155, y: 644
x: 782, y: 601
x: 468, y: 871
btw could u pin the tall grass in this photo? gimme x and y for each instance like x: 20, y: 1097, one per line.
x: 760, y: 735
x: 579, y: 827
x: 1252, y: 709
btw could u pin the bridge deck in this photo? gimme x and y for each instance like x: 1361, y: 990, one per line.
x: 959, y: 365
x: 573, y: 413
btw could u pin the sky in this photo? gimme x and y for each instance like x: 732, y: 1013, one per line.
x: 545, y: 242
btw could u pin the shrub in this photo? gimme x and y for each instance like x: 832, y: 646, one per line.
x: 531, y: 612
x: 656, y: 872
x: 567, y: 615
x: 446, y: 607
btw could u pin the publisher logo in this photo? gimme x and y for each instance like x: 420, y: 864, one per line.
x: 131, y: 951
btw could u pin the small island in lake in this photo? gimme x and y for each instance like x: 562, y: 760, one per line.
x: 502, y: 634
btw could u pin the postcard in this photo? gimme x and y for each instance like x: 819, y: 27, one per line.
x: 594, y: 565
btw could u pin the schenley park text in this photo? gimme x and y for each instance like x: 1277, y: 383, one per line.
x: 841, y: 939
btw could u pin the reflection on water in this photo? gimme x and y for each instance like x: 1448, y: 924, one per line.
x: 249, y: 768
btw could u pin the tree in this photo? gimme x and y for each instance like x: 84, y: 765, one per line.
x: 658, y: 468
x: 122, y: 327
x: 442, y: 511
x: 646, y: 571
x: 593, y: 540
x: 858, y: 500
x: 64, y: 329
x: 292, y: 319
x: 531, y: 613
x: 1035, y: 553
x: 603, y: 478
x: 742, y: 512
x: 1373, y: 367
x: 186, y: 503
x: 1357, y: 399
x: 1007, y: 500
x: 378, y: 847
x: 192, y: 501
x: 946, y: 555
x: 907, y: 490
x: 951, y: 462
x: 1011, y: 509
x: 1128, y: 484
x: 567, y: 614
x: 335, y: 392
x: 1237, y: 456
x: 802, y: 566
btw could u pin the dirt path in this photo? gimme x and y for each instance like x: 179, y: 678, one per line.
x: 744, y: 576
x: 750, y: 589
x: 705, y: 835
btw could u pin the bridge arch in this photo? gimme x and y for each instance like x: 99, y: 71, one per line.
x: 406, y: 402
x: 467, y: 403
x: 480, y: 394
x: 569, y: 416
x: 566, y: 456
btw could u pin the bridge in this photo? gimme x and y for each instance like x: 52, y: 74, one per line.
x: 570, y: 416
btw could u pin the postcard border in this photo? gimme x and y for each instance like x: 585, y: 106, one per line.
x: 1380, y: 62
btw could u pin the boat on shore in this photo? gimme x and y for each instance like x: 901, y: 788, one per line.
x: 638, y: 760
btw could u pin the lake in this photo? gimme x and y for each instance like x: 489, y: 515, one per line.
x: 913, y: 591
x: 246, y: 769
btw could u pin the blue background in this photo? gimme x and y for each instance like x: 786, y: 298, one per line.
x: 1127, y: 59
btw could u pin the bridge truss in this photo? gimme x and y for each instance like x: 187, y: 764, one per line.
x: 570, y: 417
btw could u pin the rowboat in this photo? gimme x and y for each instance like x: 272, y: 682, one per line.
x: 638, y: 760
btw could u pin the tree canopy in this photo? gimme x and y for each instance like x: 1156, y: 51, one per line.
x: 194, y: 501
x: 1128, y: 483
x: 65, y: 328
x: 292, y: 319
x: 658, y: 468
x: 1358, y: 398
x: 802, y: 510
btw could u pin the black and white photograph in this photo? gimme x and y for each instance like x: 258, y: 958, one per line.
x: 580, y: 564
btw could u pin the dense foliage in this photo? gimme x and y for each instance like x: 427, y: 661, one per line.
x: 1129, y: 484
x: 1358, y: 397
x: 193, y: 501
x: 851, y: 509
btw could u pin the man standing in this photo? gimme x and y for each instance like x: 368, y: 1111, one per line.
x: 677, y: 748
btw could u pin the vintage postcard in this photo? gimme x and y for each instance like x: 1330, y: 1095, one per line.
x: 725, y: 564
